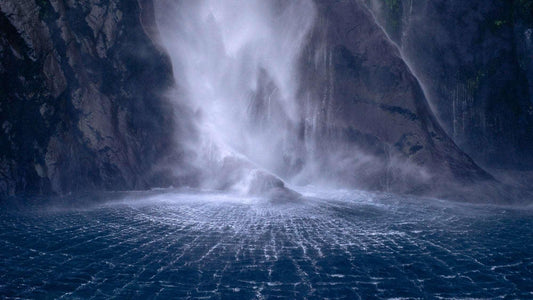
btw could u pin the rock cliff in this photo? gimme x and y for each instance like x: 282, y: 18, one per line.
x: 81, y: 103
x: 475, y: 61
x: 83, y: 96
x: 365, y: 95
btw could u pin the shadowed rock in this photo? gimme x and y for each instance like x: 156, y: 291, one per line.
x: 370, y: 106
x: 81, y: 105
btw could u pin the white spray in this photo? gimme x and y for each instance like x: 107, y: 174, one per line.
x: 235, y: 63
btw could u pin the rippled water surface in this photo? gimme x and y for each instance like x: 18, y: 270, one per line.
x: 343, y: 244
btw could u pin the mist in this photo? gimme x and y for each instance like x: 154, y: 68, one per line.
x: 265, y: 149
x: 236, y: 65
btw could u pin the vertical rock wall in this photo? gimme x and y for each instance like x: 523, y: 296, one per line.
x: 474, y: 59
x: 81, y: 96
x: 364, y: 98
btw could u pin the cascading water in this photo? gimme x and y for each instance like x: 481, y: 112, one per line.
x: 235, y: 63
x: 264, y: 91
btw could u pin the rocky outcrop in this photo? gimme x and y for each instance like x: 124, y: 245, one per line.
x: 83, y: 107
x: 368, y: 105
x: 82, y: 102
x: 475, y: 62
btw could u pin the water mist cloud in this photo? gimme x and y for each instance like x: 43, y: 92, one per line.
x: 236, y: 63
x: 238, y: 68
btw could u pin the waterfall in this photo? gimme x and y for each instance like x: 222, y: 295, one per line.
x: 236, y: 68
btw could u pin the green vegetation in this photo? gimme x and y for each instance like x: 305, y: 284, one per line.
x: 526, y: 6
x: 45, y: 9
x: 393, y: 4
x: 473, y: 82
x: 393, y: 14
x: 511, y: 12
x: 523, y: 10
x: 515, y: 10
x: 499, y: 23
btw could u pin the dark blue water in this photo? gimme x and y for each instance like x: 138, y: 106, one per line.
x: 331, y: 245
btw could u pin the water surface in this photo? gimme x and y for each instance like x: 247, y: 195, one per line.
x: 333, y: 245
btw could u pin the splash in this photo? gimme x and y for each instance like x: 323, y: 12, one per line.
x: 236, y: 67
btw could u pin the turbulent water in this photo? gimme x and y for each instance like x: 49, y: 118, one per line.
x: 236, y: 68
x: 343, y: 244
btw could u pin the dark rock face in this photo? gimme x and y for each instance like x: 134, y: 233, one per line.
x: 365, y: 98
x: 81, y: 103
x: 82, y: 97
x: 475, y: 61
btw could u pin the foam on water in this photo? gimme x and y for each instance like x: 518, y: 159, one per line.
x: 203, y: 244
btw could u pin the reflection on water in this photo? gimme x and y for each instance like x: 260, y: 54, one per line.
x: 331, y: 244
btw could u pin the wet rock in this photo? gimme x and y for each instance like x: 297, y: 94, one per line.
x: 82, y: 88
x: 262, y: 183
x: 371, y: 109
x: 474, y: 61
